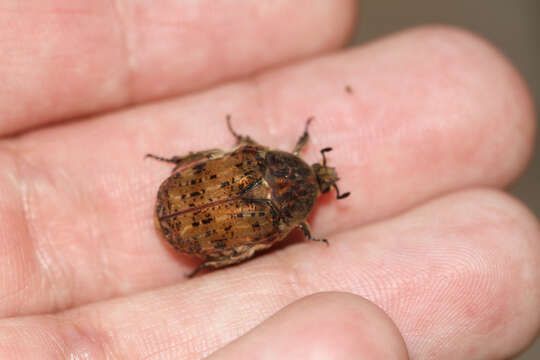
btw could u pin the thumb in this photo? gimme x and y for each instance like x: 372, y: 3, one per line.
x: 330, y: 325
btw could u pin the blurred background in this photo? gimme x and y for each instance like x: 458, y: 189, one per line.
x: 512, y: 26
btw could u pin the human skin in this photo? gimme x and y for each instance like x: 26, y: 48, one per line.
x: 428, y: 257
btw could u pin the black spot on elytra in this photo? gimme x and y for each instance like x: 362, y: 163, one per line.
x: 219, y: 244
x: 207, y: 221
x: 195, y: 224
x: 193, y: 182
x: 194, y: 246
x: 195, y: 193
x: 199, y: 167
x: 213, y: 176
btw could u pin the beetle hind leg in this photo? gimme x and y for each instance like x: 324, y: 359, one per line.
x: 240, y: 139
x: 302, y: 141
x: 305, y: 229
x: 189, y: 159
x: 173, y: 160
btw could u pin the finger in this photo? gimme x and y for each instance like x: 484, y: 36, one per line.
x: 459, y: 276
x: 321, y: 326
x: 65, y: 58
x: 86, y: 214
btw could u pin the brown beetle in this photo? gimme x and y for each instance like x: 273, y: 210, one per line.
x: 223, y: 206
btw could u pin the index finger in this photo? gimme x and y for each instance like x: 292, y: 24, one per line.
x: 65, y: 58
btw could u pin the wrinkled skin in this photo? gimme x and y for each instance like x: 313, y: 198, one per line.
x: 428, y: 258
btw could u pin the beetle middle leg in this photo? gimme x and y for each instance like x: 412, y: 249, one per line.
x: 188, y: 159
x: 303, y: 139
x: 202, y: 266
x: 305, y: 229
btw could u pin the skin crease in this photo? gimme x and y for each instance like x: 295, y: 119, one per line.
x: 436, y: 123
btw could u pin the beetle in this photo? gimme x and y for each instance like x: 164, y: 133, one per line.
x: 223, y: 206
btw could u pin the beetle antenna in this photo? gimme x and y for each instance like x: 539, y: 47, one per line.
x: 325, y: 150
x: 340, y: 196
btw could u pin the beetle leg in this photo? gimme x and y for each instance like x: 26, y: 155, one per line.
x: 305, y: 229
x: 204, y: 265
x: 189, y: 159
x: 240, y: 139
x: 303, y: 139
x: 236, y: 256
x: 197, y: 269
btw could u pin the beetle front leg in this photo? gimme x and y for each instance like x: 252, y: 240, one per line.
x: 303, y: 139
x: 305, y: 229
x: 182, y: 161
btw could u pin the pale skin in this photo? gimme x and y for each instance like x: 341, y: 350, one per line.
x: 437, y: 124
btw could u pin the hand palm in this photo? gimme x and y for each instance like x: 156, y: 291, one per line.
x: 78, y: 240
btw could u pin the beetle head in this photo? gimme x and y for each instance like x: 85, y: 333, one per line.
x: 326, y: 176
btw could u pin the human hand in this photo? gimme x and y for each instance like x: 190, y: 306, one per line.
x: 427, y: 257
